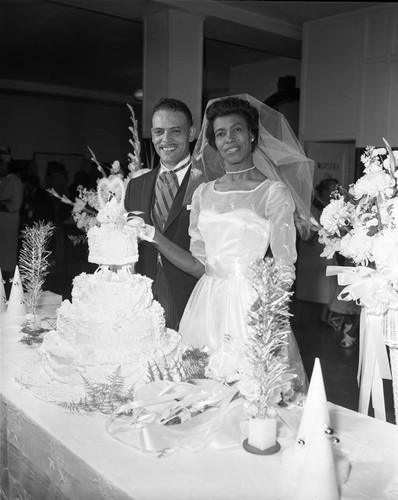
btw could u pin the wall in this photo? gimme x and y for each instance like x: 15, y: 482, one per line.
x: 260, y: 79
x: 173, y: 60
x: 36, y: 123
x: 379, y: 93
x: 33, y: 120
x: 350, y: 78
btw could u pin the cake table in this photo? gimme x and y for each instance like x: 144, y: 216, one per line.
x: 48, y: 452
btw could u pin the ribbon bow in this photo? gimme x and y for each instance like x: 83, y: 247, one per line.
x: 366, y: 285
x: 375, y: 294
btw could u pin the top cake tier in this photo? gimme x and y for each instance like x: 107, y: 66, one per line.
x: 112, y: 244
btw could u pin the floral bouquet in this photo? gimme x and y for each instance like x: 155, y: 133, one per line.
x: 85, y: 209
x: 259, y: 367
x: 362, y: 225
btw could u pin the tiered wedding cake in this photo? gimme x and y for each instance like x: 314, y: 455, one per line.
x: 113, y: 320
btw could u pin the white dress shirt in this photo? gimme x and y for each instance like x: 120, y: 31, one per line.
x: 181, y: 173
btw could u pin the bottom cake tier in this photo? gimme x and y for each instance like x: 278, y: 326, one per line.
x: 113, y: 324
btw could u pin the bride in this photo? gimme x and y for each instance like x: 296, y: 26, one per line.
x: 261, y: 184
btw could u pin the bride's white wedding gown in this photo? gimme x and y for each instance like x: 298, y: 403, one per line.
x: 229, y: 232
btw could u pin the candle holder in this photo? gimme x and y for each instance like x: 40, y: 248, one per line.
x: 262, y: 436
x: 33, y: 323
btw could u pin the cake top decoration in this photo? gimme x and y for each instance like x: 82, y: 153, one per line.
x: 110, y: 193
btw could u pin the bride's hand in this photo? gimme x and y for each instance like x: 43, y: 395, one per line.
x: 286, y: 275
x: 144, y: 231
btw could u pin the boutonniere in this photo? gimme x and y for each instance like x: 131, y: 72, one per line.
x: 189, y: 207
x: 195, y: 173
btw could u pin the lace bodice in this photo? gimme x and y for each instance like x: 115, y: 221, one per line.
x: 233, y: 229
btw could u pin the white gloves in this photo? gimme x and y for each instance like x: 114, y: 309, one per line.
x: 144, y: 231
x: 286, y: 275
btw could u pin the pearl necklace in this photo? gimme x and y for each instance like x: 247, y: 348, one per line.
x: 240, y: 171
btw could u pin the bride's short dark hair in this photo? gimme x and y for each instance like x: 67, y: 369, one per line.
x: 229, y: 106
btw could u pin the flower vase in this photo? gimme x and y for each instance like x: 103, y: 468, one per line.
x: 33, y: 324
x: 390, y: 334
x: 262, y: 436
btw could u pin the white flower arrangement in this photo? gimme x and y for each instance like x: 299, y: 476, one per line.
x: 362, y: 223
x: 225, y: 363
x: 85, y: 209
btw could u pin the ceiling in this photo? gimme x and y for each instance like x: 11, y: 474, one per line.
x: 96, y: 45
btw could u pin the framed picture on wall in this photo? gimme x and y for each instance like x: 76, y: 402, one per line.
x: 333, y: 160
x: 72, y: 162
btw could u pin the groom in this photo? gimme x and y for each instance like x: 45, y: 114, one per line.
x: 160, y: 194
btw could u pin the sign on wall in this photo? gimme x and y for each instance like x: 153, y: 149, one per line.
x: 332, y: 160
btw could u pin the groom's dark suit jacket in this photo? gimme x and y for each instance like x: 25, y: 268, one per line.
x: 140, y: 197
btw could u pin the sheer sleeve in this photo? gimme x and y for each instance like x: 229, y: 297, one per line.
x: 280, y: 209
x: 197, y: 245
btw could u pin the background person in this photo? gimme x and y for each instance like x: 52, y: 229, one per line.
x: 11, y: 197
x: 312, y: 284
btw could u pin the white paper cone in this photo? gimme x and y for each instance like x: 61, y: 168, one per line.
x: 3, y: 297
x: 317, y: 477
x: 315, y: 404
x: 16, y: 308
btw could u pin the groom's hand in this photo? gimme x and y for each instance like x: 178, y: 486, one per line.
x: 144, y: 231
x: 133, y: 220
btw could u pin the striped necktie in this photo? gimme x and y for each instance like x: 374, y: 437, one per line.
x: 165, y: 192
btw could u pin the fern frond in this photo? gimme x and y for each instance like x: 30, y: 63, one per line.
x: 34, y: 260
x: 103, y: 397
x: 150, y: 372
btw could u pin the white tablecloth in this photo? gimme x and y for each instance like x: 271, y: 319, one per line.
x: 48, y: 452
